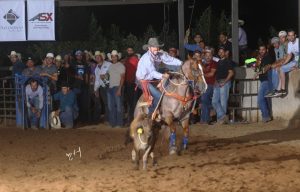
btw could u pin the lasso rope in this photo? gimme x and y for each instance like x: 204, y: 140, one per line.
x: 202, y: 76
x: 139, y: 136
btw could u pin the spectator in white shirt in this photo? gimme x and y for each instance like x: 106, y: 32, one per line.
x: 101, y: 81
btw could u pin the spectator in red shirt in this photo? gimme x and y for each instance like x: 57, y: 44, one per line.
x: 209, y: 70
x: 131, y: 95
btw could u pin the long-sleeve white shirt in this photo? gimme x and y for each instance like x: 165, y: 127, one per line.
x: 100, y: 70
x: 32, y: 94
x: 147, y: 66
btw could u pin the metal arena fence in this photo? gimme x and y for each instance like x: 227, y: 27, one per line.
x: 13, y: 110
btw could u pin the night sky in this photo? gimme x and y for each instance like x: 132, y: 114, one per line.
x: 259, y: 15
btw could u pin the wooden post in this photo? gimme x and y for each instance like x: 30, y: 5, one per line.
x: 181, y: 29
x: 235, y: 30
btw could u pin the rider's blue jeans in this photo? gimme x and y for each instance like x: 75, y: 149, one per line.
x: 156, y: 96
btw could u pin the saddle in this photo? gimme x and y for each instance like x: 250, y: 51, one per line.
x: 146, y: 93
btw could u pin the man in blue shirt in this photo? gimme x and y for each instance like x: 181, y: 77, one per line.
x: 18, y: 66
x: 197, y: 39
x: 147, y: 69
x: 68, y: 109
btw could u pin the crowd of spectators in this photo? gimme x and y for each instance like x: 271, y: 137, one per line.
x: 93, y: 87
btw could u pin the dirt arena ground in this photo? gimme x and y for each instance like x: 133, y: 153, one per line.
x: 249, y: 157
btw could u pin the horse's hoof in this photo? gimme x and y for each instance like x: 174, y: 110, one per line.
x: 154, y: 164
x: 172, y: 150
x: 184, y: 147
x: 136, y: 167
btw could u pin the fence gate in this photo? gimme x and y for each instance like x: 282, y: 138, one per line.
x: 13, y: 108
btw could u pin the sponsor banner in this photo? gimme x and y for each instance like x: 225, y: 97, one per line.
x: 12, y: 20
x: 41, y: 20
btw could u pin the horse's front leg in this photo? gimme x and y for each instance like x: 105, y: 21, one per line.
x: 185, y: 126
x: 172, y: 138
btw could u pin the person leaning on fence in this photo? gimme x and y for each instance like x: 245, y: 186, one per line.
x: 265, y: 77
x: 147, y: 71
x: 31, y: 70
x: 17, y: 65
x: 288, y: 63
x: 34, y: 102
x: 49, y: 70
x: 68, y: 109
x: 224, y: 74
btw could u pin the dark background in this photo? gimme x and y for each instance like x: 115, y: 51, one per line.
x: 258, y: 15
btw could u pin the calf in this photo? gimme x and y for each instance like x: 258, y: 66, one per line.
x: 144, y: 135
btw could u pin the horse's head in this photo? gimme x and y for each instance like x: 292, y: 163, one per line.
x: 193, y: 71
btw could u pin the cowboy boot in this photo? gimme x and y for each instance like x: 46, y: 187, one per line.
x: 172, y: 144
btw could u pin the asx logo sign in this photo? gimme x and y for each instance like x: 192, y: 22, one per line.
x: 42, y: 17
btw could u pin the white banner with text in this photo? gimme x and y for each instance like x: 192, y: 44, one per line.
x: 12, y: 20
x: 41, y: 20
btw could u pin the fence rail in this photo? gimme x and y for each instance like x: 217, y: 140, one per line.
x: 7, y: 101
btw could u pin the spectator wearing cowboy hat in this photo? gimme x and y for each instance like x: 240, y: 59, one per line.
x: 147, y: 69
x: 49, y: 70
x: 101, y: 84
x: 35, y: 102
x: 17, y: 65
x: 116, y: 73
x: 59, y: 63
x: 31, y: 69
x: 68, y: 109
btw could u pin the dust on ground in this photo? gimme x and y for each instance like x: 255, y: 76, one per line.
x: 238, y: 157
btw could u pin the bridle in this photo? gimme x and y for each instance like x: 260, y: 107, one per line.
x: 183, y: 99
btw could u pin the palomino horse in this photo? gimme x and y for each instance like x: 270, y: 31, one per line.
x: 177, y: 102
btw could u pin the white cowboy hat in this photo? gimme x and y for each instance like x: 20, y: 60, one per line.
x: 152, y: 42
x: 12, y: 53
x: 240, y: 22
x: 50, y: 55
x: 54, y: 121
x: 114, y: 52
x: 58, y: 58
x: 99, y: 53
